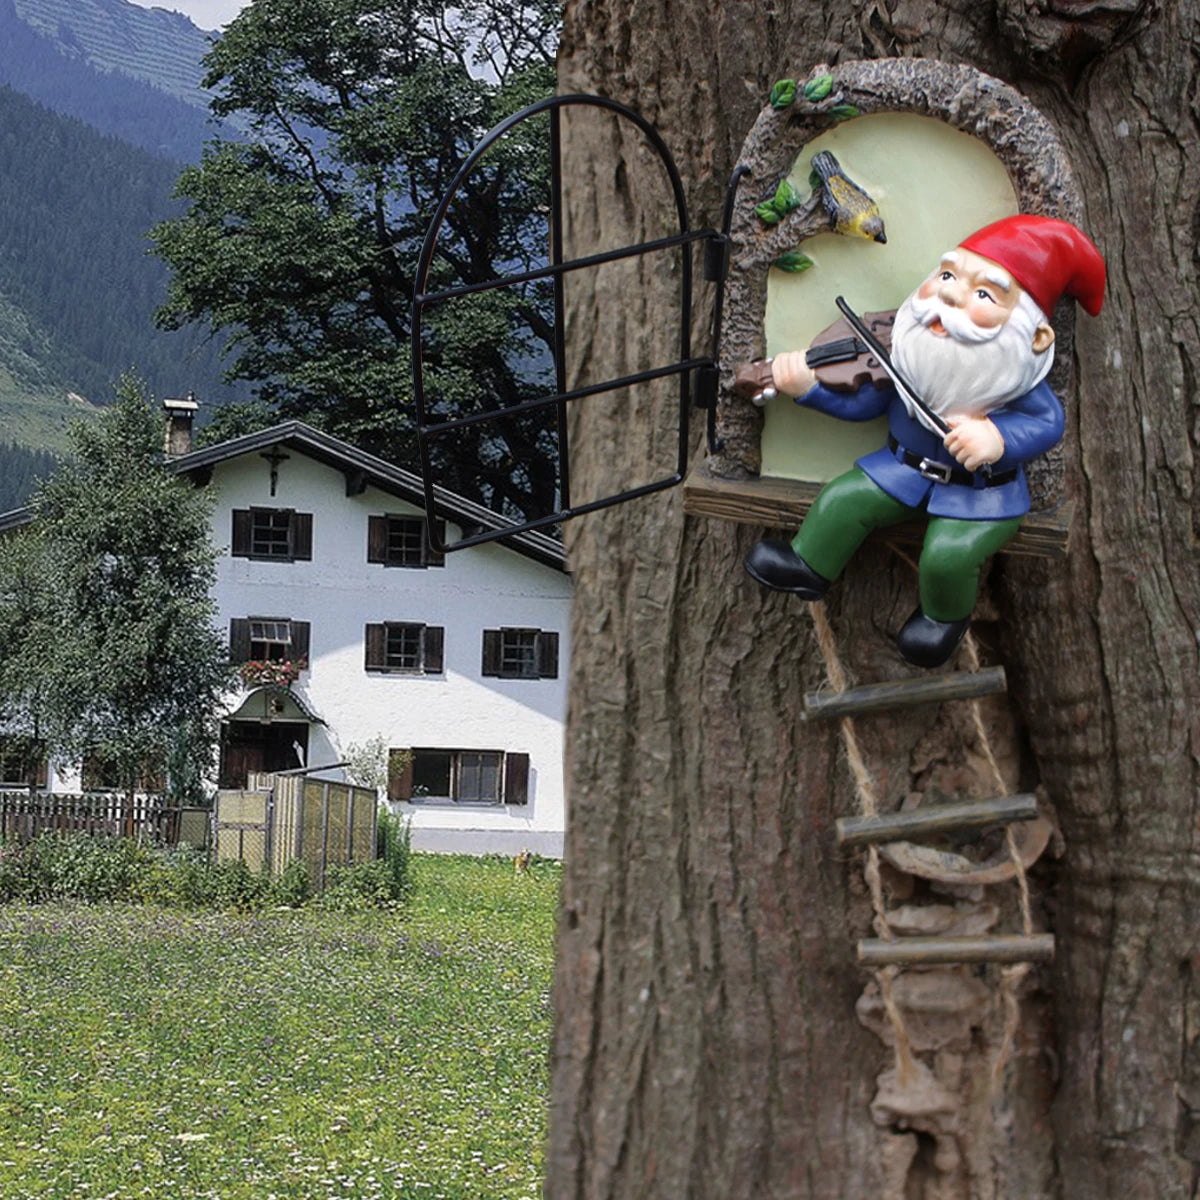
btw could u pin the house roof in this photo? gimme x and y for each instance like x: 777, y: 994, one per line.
x: 359, y: 468
x: 362, y: 467
x: 15, y: 518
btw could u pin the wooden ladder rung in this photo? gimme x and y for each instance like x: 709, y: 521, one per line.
x: 965, y: 817
x: 904, y: 693
x: 931, y: 951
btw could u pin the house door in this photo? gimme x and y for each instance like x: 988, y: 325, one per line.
x: 258, y: 746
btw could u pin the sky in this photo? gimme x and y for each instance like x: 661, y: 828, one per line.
x: 208, y: 14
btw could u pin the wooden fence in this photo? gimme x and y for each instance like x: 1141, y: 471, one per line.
x: 25, y: 815
x: 284, y: 818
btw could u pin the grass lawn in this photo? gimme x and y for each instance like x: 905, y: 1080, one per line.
x: 152, y: 1053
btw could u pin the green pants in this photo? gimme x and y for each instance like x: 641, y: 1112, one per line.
x: 851, y: 506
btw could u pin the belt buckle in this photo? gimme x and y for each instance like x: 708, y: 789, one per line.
x: 938, y: 472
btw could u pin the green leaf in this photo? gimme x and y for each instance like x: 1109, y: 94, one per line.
x: 786, y: 197
x: 818, y: 87
x: 783, y: 93
x: 793, y: 262
x: 814, y: 180
x: 767, y: 213
x: 843, y: 112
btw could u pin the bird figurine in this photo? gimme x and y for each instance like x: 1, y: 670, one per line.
x: 850, y: 209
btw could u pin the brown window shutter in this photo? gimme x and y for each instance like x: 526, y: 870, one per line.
x: 240, y: 547
x: 377, y: 539
x: 301, y: 634
x: 491, y: 652
x: 41, y: 772
x: 516, y: 779
x: 435, y: 637
x: 302, y: 536
x: 375, y: 640
x: 400, y: 774
x: 547, y: 652
x: 239, y: 640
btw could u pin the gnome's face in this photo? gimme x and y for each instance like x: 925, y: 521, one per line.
x: 970, y: 338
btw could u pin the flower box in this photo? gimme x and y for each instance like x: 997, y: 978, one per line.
x: 282, y: 672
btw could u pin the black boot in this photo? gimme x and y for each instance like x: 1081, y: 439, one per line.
x: 925, y: 642
x: 777, y: 565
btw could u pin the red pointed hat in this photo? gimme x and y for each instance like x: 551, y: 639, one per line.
x: 1047, y: 257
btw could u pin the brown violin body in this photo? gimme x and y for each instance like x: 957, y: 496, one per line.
x: 841, y: 360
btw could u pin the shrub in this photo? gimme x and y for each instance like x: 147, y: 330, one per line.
x: 14, y: 874
x: 96, y: 869
x: 175, y: 878
x: 70, y: 867
x: 87, y: 868
x: 185, y: 878
x: 358, y: 887
x: 293, y: 888
x: 394, y: 848
x: 232, y: 885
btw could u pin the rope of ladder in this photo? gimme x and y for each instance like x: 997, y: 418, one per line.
x: 1011, y: 976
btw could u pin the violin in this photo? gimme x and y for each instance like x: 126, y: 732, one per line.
x: 841, y: 360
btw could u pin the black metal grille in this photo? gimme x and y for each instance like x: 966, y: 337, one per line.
x: 429, y: 429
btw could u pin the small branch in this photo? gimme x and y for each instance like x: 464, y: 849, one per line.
x: 773, y: 240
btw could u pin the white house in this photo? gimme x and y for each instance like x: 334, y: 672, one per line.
x: 456, y: 664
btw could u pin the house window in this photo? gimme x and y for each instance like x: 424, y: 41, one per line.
x: 102, y: 774
x: 459, y: 776
x: 397, y: 541
x: 478, y: 777
x: 22, y: 761
x: 404, y: 646
x: 272, y: 534
x: 520, y: 653
x: 268, y: 639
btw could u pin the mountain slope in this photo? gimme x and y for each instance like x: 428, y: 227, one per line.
x: 52, y: 70
x: 151, y: 44
x: 75, y: 267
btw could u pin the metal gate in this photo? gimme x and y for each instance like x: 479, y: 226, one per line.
x: 702, y: 392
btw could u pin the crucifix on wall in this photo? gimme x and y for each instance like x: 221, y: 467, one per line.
x: 274, y: 456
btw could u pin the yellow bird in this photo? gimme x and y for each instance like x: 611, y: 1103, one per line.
x: 850, y: 209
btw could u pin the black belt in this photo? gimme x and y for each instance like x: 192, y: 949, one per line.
x: 944, y: 472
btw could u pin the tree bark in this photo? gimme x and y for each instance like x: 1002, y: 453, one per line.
x: 708, y: 1044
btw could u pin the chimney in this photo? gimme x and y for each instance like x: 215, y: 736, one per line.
x: 180, y: 414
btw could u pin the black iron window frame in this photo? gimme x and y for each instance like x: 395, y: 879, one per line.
x: 715, y: 265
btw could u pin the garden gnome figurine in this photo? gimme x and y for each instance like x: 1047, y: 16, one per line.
x: 975, y: 343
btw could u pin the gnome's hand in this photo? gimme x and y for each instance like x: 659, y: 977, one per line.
x: 793, y: 375
x: 974, y: 441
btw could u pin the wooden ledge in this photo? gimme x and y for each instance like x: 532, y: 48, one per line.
x: 782, y: 504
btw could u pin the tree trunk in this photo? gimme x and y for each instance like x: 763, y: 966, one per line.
x: 708, y: 1044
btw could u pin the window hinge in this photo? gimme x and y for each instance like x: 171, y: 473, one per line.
x: 716, y: 258
x: 706, y: 387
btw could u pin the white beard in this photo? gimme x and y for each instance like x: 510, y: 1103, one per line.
x: 974, y: 370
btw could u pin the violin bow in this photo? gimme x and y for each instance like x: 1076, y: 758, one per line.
x: 876, y: 347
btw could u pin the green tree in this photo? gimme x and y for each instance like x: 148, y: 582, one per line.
x: 106, y: 610
x: 302, y: 241
x: 708, y: 1044
x: 26, y: 634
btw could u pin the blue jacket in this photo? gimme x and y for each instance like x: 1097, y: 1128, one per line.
x: 1030, y: 425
